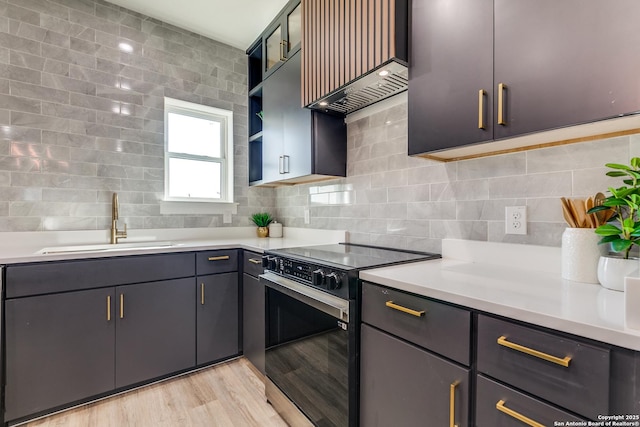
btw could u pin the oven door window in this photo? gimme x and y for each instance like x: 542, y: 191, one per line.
x: 307, y: 358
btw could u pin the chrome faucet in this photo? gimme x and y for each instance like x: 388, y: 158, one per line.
x: 115, y: 211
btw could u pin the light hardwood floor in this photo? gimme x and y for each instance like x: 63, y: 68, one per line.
x: 226, y: 395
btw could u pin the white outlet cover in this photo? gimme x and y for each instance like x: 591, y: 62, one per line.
x: 306, y: 216
x: 515, y: 220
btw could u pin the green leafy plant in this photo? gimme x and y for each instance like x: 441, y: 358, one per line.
x: 622, y: 230
x: 261, y: 219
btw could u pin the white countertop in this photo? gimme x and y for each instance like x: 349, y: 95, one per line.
x: 21, y: 247
x: 489, y: 278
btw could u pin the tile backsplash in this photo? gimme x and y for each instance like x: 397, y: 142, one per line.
x: 81, y: 98
x: 81, y: 114
x: 402, y: 201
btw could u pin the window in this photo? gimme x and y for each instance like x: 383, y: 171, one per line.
x: 198, y: 153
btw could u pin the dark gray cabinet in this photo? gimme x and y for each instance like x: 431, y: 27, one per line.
x: 298, y: 142
x: 404, y: 385
x: 501, y: 406
x: 155, y: 330
x: 450, y: 74
x: 495, y: 69
x: 253, y: 311
x: 281, y: 40
x: 60, y: 348
x: 565, y: 63
x: 217, y: 317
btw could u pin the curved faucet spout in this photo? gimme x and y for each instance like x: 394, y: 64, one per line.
x: 115, y: 208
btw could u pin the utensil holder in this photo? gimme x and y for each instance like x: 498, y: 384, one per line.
x: 580, y: 255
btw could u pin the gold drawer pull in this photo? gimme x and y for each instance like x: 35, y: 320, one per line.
x: 528, y: 421
x: 549, y: 358
x: 255, y: 261
x: 481, y: 124
x: 219, y: 258
x: 201, y: 293
x: 108, y: 308
x: 122, y: 306
x: 416, y: 313
x: 452, y: 404
x: 501, y: 89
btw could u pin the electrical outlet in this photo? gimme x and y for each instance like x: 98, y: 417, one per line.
x: 306, y: 216
x: 516, y: 220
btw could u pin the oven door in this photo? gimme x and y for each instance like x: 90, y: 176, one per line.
x: 307, y: 352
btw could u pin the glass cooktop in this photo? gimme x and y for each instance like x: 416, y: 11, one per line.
x: 352, y: 256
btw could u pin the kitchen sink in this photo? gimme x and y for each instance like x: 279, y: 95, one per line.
x: 107, y: 247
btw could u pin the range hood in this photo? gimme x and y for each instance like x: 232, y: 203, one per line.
x: 381, y: 83
x: 354, y: 53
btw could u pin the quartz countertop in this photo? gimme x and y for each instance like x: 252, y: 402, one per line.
x: 488, y: 277
x: 21, y: 247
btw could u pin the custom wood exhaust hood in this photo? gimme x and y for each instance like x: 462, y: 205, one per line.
x: 354, y: 52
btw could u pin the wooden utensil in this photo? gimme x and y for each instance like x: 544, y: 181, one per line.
x: 579, y: 212
x: 592, y: 219
x: 602, y: 216
x: 567, y: 213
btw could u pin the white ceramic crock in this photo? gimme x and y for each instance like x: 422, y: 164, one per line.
x: 580, y: 255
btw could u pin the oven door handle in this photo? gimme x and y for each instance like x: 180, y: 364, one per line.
x: 329, y: 304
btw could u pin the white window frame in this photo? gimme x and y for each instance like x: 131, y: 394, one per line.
x: 225, y: 117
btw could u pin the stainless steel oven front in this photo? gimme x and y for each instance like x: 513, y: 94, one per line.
x: 311, y: 353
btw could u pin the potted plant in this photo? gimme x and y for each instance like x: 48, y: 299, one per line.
x: 622, y: 230
x: 262, y: 220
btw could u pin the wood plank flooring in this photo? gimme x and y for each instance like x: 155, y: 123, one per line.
x: 226, y: 395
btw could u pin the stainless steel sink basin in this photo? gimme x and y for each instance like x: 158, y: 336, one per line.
x: 107, y: 247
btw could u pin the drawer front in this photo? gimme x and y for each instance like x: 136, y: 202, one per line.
x: 60, y: 276
x: 404, y: 385
x: 252, y: 263
x: 212, y: 262
x: 436, y: 326
x: 582, y: 386
x: 500, y: 406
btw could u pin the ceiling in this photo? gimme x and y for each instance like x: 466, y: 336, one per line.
x: 234, y: 22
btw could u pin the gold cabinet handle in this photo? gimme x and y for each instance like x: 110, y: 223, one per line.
x: 501, y: 88
x: 549, y: 358
x: 518, y: 416
x: 122, y: 306
x: 481, y: 124
x: 255, y: 261
x: 201, y: 293
x: 395, y: 306
x: 452, y: 404
x: 108, y: 308
x: 219, y: 258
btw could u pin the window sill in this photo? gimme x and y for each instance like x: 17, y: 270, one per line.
x: 204, y: 208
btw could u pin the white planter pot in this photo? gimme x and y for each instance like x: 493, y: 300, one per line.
x: 580, y: 255
x: 613, y: 270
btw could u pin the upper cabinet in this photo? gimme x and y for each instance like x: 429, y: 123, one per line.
x: 354, y: 52
x: 288, y: 144
x: 501, y: 71
x: 282, y: 38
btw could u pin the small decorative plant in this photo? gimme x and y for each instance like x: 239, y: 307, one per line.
x: 261, y: 219
x: 622, y: 230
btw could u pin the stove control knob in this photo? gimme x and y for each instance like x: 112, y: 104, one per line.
x: 265, y: 261
x: 317, y: 278
x: 333, y: 281
x: 273, y: 263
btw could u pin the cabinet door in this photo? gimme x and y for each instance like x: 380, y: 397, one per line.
x: 253, y: 321
x: 403, y: 385
x: 59, y: 349
x: 155, y: 330
x: 273, y: 48
x: 293, y: 25
x: 451, y: 62
x: 217, y: 317
x: 287, y: 126
x: 566, y: 62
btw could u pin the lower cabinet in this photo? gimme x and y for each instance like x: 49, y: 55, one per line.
x: 217, y: 317
x: 155, y: 330
x: 405, y: 385
x: 60, y: 348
